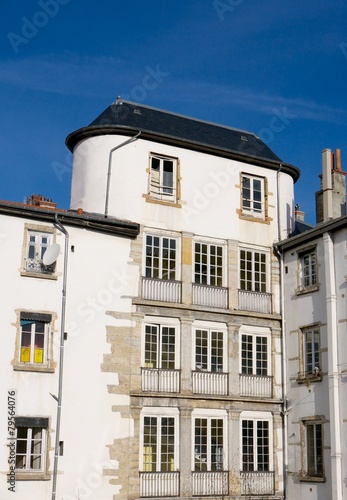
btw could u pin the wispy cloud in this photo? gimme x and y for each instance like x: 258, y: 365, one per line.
x: 257, y: 101
x: 91, y: 77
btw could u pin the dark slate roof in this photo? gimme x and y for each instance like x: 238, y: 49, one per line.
x: 300, y: 227
x: 128, y: 118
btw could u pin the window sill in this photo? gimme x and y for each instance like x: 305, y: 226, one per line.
x: 264, y: 219
x: 33, y: 368
x: 32, y: 476
x: 309, y: 289
x: 29, y: 274
x: 309, y: 379
x: 312, y: 479
x: 158, y: 201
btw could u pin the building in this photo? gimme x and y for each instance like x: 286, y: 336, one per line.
x: 314, y: 266
x: 172, y: 375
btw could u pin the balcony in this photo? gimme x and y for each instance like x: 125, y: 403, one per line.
x: 257, y: 483
x: 37, y: 266
x: 210, y: 483
x: 210, y: 296
x: 159, y: 484
x: 210, y: 383
x: 255, y: 301
x: 255, y: 386
x: 161, y: 290
x: 159, y: 380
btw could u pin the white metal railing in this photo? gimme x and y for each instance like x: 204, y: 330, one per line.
x: 37, y: 266
x: 255, y: 301
x: 159, y: 484
x: 159, y: 380
x: 161, y: 290
x: 210, y: 296
x: 256, y: 386
x: 210, y: 483
x: 210, y: 383
x: 257, y: 483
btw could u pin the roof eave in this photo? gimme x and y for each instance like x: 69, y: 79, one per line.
x: 86, y: 132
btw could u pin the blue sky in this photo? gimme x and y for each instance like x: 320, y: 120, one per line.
x: 235, y: 62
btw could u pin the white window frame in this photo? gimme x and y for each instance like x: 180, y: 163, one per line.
x: 311, y: 367
x: 209, y: 415
x: 251, y: 206
x: 159, y: 414
x: 314, y: 424
x: 212, y: 278
x: 156, y: 187
x: 32, y: 423
x: 34, y: 249
x: 34, y: 350
x: 260, y: 285
x: 161, y: 323
x: 308, y: 269
x: 256, y: 333
x: 210, y: 328
x: 149, y: 271
x: 257, y: 417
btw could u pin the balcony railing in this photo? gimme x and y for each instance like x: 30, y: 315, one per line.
x: 257, y: 483
x: 255, y: 386
x: 210, y: 383
x: 210, y: 296
x: 161, y: 290
x: 37, y: 266
x: 159, y: 484
x: 159, y: 380
x: 255, y: 301
x: 210, y: 483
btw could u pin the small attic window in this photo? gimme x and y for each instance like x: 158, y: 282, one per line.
x: 244, y: 138
x: 137, y: 112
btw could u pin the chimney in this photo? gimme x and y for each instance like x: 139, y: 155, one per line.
x: 298, y: 214
x: 37, y: 200
x: 331, y: 199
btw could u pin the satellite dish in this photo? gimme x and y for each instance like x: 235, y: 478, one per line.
x: 51, y: 254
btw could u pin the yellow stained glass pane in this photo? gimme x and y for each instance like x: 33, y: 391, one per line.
x: 25, y: 354
x: 38, y: 355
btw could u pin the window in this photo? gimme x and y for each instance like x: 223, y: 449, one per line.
x: 31, y: 444
x: 208, y: 264
x: 311, y: 352
x: 308, y: 263
x: 255, y: 445
x: 254, y: 355
x: 160, y: 342
x: 161, y: 255
x: 37, y: 245
x: 252, y: 196
x: 314, y: 443
x: 159, y: 443
x: 209, y: 438
x: 163, y: 178
x: 209, y: 350
x: 34, y: 336
x: 253, y: 271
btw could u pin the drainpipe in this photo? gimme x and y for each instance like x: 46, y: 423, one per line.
x: 284, y: 350
x: 333, y: 375
x: 61, y: 360
x: 128, y: 141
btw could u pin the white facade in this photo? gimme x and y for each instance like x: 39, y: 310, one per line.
x: 316, y: 361
x: 172, y: 379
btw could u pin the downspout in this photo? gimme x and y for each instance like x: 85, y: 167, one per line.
x: 284, y: 350
x: 128, y: 141
x: 333, y: 375
x: 61, y: 358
